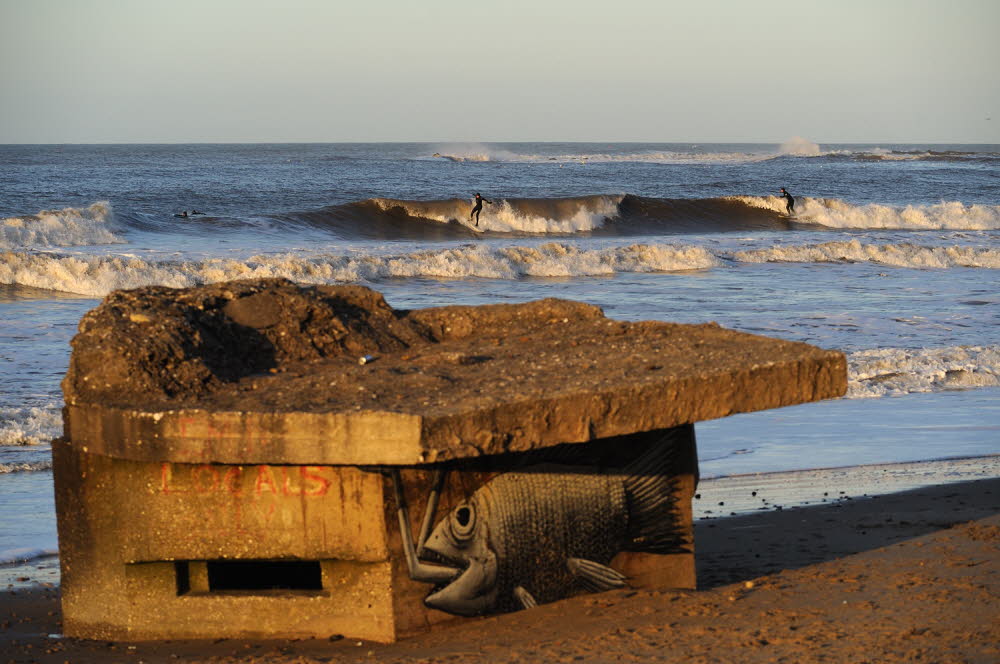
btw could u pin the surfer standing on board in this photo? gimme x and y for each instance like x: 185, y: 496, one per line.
x: 478, y: 207
x: 790, y: 202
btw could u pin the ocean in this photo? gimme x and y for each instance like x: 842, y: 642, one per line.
x: 892, y: 256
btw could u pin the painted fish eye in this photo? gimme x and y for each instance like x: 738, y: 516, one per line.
x: 463, y: 521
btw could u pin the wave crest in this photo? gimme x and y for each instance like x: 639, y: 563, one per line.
x: 597, y: 214
x: 524, y: 215
x: 60, y: 228
x: 24, y: 554
x: 836, y: 213
x: 25, y: 467
x: 99, y: 275
x: 895, y: 255
x: 624, y: 215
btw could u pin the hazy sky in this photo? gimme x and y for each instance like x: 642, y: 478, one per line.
x: 96, y: 71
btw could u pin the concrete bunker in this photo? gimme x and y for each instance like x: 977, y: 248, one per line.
x: 229, y: 468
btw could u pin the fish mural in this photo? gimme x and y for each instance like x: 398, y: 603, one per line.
x: 544, y: 532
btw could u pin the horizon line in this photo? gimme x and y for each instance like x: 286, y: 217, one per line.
x: 480, y: 142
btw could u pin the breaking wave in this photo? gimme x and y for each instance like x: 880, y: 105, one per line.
x: 99, y: 275
x: 448, y: 219
x: 395, y: 219
x: 896, y: 371
x: 895, y: 255
x: 627, y: 214
x: 539, y: 215
x: 25, y: 467
x: 92, y: 275
x: 29, y: 426
x: 60, y: 228
x: 800, y: 147
x: 835, y: 213
x: 599, y: 214
x: 24, y: 555
x: 884, y: 154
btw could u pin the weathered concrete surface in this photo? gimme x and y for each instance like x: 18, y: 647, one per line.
x: 264, y: 371
x: 125, y: 526
x: 232, y: 424
x: 136, y: 537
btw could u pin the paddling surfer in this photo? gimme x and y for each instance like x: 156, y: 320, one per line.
x: 478, y: 207
x: 789, y: 202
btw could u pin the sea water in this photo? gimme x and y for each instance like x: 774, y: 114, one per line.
x: 892, y: 256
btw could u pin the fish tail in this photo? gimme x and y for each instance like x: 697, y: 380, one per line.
x: 652, y: 491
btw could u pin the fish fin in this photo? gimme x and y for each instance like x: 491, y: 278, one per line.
x: 595, y: 576
x: 525, y: 598
x: 651, y: 488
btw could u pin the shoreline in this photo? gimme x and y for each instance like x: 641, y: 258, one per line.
x: 740, y: 494
x: 775, y: 490
x: 892, y: 578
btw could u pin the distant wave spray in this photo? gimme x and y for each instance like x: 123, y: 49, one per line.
x: 799, y: 147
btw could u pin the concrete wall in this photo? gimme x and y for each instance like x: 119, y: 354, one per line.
x: 137, y: 538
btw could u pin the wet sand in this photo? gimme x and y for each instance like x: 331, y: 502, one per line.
x: 904, y: 577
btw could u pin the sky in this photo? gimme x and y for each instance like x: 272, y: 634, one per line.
x: 159, y: 71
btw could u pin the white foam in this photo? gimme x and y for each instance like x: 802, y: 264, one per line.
x: 99, y: 275
x: 836, y: 213
x: 60, y: 228
x: 474, y: 152
x: 29, y: 426
x: 888, y: 155
x: 25, y: 467
x: 896, y: 371
x: 25, y: 554
x: 504, y: 218
x: 896, y: 255
x: 466, y: 157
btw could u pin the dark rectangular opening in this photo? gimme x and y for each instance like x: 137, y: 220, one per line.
x: 183, y: 574
x: 264, y: 575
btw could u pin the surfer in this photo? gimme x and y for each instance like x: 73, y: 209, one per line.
x: 182, y: 215
x: 478, y: 207
x: 789, y: 202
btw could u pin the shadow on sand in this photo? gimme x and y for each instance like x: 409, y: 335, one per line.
x: 740, y: 548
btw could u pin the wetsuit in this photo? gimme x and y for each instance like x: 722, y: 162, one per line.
x: 478, y: 208
x: 790, y: 202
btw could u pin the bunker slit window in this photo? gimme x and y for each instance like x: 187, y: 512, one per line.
x: 264, y: 575
x: 248, y: 575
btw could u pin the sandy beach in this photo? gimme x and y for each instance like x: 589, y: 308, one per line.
x: 540, y: 332
x: 900, y: 577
